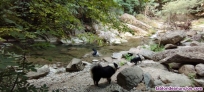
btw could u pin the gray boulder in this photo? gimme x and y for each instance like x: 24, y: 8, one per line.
x: 75, y: 65
x: 168, y: 77
x: 200, y: 69
x: 148, y: 80
x: 117, y: 55
x: 187, y: 57
x: 148, y: 54
x: 41, y: 72
x: 170, y: 37
x: 187, y: 69
x: 150, y: 63
x: 134, y: 50
x: 127, y: 18
x: 130, y: 77
x: 161, y: 55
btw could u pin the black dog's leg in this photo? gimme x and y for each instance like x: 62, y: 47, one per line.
x: 96, y: 81
x: 109, y: 80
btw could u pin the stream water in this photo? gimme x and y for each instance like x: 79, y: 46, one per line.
x: 65, y: 53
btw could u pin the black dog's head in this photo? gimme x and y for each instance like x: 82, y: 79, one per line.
x: 114, y: 65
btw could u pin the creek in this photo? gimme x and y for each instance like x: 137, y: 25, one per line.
x: 65, y: 53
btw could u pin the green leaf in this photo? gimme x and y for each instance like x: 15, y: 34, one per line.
x: 5, y: 62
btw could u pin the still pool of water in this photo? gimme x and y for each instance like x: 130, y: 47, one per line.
x: 65, y: 53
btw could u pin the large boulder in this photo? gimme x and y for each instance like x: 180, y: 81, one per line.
x: 148, y: 54
x: 132, y: 20
x: 151, y: 63
x: 187, y: 57
x: 75, y: 65
x: 187, y: 69
x: 41, y: 72
x: 163, y: 54
x: 137, y: 30
x: 200, y: 69
x: 170, y: 37
x: 130, y: 77
x: 168, y: 77
x: 117, y: 56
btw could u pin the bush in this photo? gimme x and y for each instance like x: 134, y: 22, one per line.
x: 179, y: 10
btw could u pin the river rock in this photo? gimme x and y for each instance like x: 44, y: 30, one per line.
x: 170, y: 46
x: 168, y: 77
x: 171, y: 37
x: 175, y: 65
x: 130, y: 77
x: 148, y: 54
x: 199, y: 82
x: 41, y: 72
x: 66, y: 41
x: 158, y: 82
x: 144, y: 52
x: 148, y: 80
x: 153, y: 64
x: 200, y: 69
x: 75, y: 65
x: 107, y: 59
x: 187, y: 57
x: 163, y: 54
x: 191, y: 33
x: 195, y: 43
x: 187, y: 69
x: 137, y: 30
x: 132, y: 20
x: 117, y: 56
x: 126, y: 35
x: 134, y: 50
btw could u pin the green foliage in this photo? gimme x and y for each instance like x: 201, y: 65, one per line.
x: 155, y: 47
x: 26, y: 20
x: 171, y: 10
x: 132, y: 6
x: 92, y: 38
x: 181, y: 6
x: 128, y: 57
x: 122, y: 63
x: 192, y: 76
x: 13, y: 79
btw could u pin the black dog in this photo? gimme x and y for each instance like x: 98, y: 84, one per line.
x: 98, y: 72
x: 136, y: 60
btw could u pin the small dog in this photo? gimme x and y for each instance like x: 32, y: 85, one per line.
x: 136, y: 60
x: 98, y: 72
x: 95, y: 52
